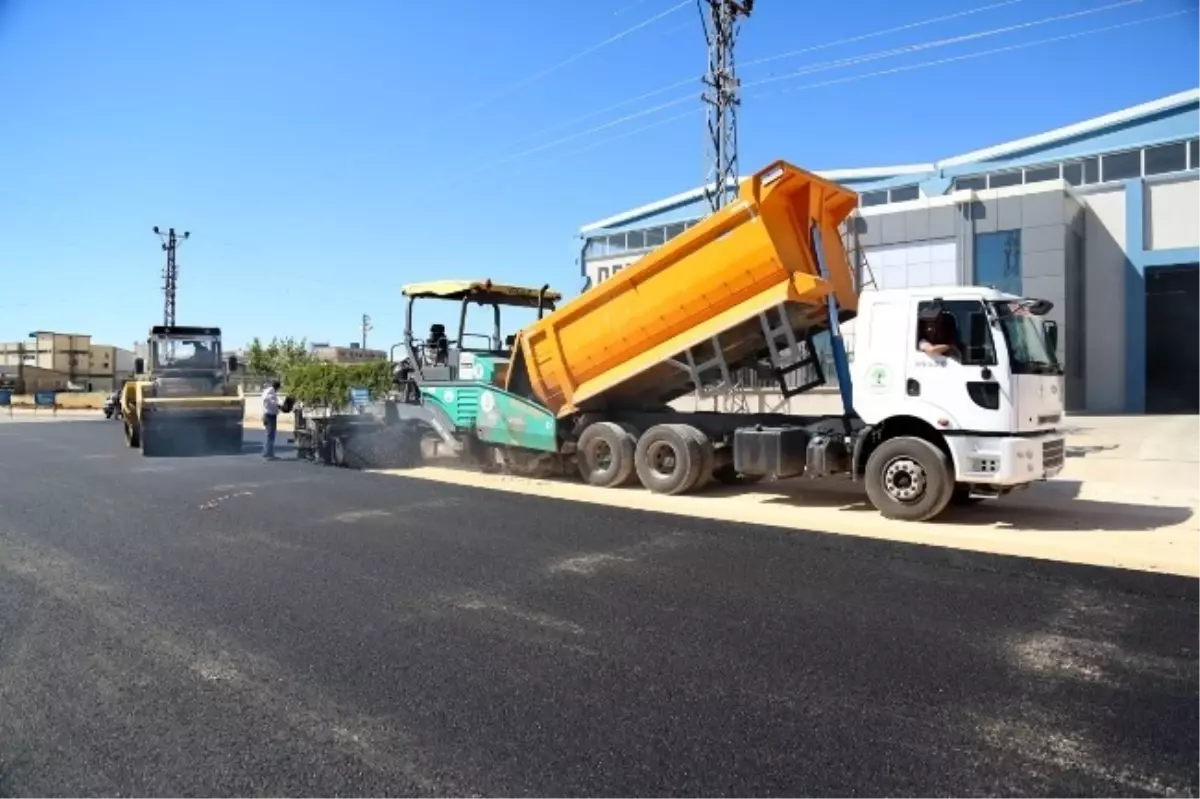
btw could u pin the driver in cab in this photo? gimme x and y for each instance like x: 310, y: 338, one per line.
x: 936, y: 338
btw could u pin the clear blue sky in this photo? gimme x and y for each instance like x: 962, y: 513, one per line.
x: 324, y: 153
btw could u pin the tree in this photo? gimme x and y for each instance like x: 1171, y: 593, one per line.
x: 276, y: 358
x: 318, y: 384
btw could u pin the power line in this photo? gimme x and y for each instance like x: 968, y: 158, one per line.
x: 566, y: 61
x: 635, y: 131
x: 980, y: 54
x: 836, y: 81
x: 693, y: 81
x: 812, y: 68
x: 913, y: 48
x: 809, y: 70
x: 595, y: 129
x: 865, y: 36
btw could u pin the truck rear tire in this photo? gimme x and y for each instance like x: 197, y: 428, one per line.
x: 909, y: 479
x: 668, y: 459
x: 708, y: 456
x: 133, y: 437
x: 605, y: 454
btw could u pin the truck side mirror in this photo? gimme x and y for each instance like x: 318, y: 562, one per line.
x: 139, y: 366
x: 1051, y: 328
x: 233, y: 363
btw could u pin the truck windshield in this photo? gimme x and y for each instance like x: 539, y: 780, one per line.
x: 186, y: 353
x: 1026, y: 339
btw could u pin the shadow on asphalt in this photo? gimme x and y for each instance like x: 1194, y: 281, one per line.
x: 1059, y: 509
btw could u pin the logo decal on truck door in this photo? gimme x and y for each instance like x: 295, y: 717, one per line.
x: 878, y: 378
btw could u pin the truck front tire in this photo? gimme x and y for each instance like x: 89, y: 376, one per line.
x: 605, y: 454
x: 909, y: 479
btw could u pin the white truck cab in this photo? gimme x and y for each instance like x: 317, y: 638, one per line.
x: 990, y: 398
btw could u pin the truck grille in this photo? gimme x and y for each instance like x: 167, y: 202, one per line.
x: 1053, y: 453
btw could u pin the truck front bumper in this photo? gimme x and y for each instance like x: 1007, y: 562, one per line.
x: 1008, y: 460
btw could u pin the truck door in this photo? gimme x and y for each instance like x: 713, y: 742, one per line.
x: 963, y: 386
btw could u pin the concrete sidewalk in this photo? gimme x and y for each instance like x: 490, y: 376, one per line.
x: 1129, y: 498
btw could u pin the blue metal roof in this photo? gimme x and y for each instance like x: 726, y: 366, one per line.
x: 1170, y: 118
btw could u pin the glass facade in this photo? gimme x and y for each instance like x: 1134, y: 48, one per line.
x: 998, y: 260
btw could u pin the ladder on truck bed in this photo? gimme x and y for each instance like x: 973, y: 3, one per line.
x: 788, y: 354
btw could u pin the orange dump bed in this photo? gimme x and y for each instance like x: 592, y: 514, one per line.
x: 613, y: 345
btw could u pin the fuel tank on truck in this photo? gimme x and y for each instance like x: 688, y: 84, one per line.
x: 613, y: 346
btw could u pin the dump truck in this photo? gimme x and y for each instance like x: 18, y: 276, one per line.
x: 763, y: 284
x: 182, y: 400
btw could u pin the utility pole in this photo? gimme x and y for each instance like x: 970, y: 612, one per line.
x: 366, y: 325
x: 721, y: 97
x: 170, y: 243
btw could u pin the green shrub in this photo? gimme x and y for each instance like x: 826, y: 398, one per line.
x: 328, y: 384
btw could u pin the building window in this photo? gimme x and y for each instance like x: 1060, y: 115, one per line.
x: 654, y: 237
x: 1194, y: 154
x: 1166, y: 158
x: 870, y: 198
x: 1001, y: 179
x: 905, y: 193
x: 1091, y: 170
x: 1120, y: 166
x: 976, y: 183
x: 1041, y: 174
x: 1073, y: 173
x: 998, y: 260
x: 602, y: 274
x: 616, y: 243
x: 635, y: 239
x: 674, y: 230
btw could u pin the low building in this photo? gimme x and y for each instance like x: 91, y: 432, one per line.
x: 1102, y: 217
x: 351, y: 354
x: 65, y: 362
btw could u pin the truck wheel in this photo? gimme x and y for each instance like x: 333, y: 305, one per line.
x: 708, y: 457
x: 668, y: 459
x: 909, y: 479
x: 132, y: 438
x: 605, y: 454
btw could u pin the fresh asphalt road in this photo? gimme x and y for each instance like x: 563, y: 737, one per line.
x: 224, y: 625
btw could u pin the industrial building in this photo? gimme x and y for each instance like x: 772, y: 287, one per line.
x: 1101, y: 217
x: 49, y: 361
x: 355, y: 353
